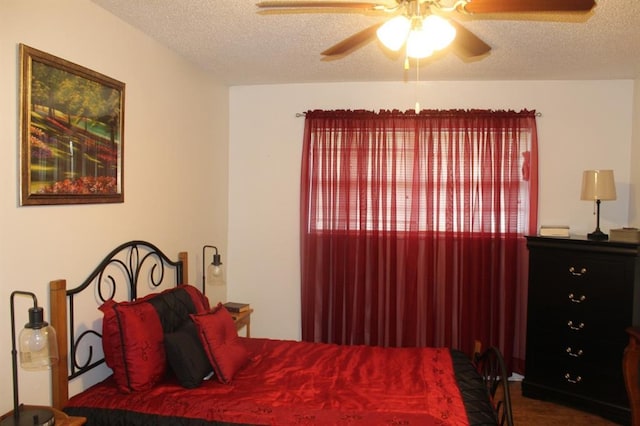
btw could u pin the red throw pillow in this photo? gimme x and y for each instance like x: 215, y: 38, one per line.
x: 220, y: 340
x: 133, y: 344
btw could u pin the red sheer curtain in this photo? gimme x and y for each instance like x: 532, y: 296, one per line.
x: 412, y: 228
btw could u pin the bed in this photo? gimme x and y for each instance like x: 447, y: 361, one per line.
x: 175, y: 360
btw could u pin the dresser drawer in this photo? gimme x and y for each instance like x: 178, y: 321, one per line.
x: 594, y: 380
x: 567, y: 348
x: 606, y: 327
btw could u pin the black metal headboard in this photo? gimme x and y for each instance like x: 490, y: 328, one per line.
x: 124, y: 271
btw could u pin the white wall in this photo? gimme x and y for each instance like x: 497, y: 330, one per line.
x: 584, y: 125
x: 634, y: 197
x: 175, y: 146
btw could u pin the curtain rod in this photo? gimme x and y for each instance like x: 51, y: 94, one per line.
x: 303, y: 114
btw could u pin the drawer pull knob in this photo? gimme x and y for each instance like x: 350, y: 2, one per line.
x: 570, y: 352
x: 570, y: 380
x: 577, y: 273
x: 575, y: 327
x: 580, y: 299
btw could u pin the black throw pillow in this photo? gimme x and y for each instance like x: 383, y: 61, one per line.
x: 186, y: 356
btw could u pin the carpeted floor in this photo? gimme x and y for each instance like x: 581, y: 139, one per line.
x: 528, y: 411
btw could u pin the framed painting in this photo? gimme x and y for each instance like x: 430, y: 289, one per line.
x: 71, y: 129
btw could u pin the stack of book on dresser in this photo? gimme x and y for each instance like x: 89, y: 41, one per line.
x: 627, y: 235
x: 236, y: 308
x: 561, y: 231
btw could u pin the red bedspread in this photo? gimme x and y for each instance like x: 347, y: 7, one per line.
x: 290, y: 382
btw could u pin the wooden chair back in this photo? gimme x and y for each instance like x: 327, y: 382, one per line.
x: 630, y: 369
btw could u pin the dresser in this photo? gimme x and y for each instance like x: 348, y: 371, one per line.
x: 582, y: 295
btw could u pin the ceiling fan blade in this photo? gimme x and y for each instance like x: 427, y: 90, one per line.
x: 293, y: 4
x: 467, y: 43
x: 353, y: 42
x: 506, y: 6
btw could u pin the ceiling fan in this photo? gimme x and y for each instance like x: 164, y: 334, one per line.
x: 416, y: 23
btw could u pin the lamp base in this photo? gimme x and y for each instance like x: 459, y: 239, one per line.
x: 30, y: 417
x: 598, y: 235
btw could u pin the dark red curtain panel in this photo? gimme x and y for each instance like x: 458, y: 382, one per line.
x: 412, y: 228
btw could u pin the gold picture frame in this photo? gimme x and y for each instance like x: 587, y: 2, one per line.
x: 72, y: 132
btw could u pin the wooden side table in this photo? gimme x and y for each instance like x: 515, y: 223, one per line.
x: 61, y: 418
x: 243, y: 319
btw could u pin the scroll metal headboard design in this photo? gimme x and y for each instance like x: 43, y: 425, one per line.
x: 135, y: 261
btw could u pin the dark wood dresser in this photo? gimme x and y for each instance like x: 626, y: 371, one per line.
x: 582, y: 296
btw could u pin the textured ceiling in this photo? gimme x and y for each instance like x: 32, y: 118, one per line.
x: 241, y: 46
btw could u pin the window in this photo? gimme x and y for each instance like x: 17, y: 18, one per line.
x: 410, y: 179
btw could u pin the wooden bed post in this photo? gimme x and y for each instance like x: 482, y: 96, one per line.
x: 477, y: 348
x: 59, y: 371
x: 184, y: 258
x: 630, y: 367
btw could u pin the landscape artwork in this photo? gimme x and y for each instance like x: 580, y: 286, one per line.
x: 72, y: 123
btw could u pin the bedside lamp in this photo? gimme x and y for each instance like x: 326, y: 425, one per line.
x: 598, y: 185
x: 215, y: 274
x: 38, y: 350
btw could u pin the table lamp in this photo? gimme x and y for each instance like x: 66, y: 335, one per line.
x: 598, y: 185
x: 214, y: 274
x: 38, y: 350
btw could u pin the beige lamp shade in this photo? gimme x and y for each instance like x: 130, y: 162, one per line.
x: 598, y: 185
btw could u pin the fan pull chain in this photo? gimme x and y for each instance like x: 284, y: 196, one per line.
x: 417, y: 109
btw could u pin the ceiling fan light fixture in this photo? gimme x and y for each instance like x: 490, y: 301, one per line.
x: 394, y: 32
x: 419, y: 44
x: 428, y: 35
x: 441, y: 32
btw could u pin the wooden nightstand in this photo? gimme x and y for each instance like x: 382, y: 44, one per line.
x: 243, y: 319
x: 61, y: 418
